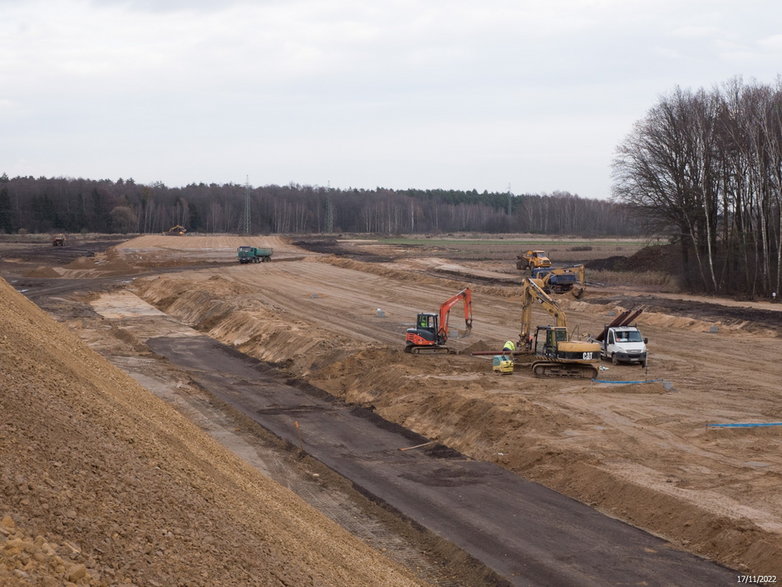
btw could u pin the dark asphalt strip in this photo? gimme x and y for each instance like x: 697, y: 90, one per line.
x: 526, y: 533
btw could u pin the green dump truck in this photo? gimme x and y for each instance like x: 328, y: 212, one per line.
x: 253, y: 254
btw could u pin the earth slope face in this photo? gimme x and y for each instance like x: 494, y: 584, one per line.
x: 102, y: 483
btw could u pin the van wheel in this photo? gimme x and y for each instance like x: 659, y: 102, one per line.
x: 614, y: 359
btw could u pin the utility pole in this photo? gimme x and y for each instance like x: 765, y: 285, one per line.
x: 329, y: 209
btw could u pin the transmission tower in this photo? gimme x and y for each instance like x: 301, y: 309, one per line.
x: 247, y: 218
x: 510, y: 199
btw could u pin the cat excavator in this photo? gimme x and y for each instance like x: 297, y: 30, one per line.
x: 430, y: 333
x: 560, y: 280
x: 550, y: 349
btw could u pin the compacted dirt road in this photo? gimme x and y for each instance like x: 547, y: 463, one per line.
x: 645, y: 453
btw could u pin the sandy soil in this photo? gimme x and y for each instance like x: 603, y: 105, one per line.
x: 644, y: 453
x: 149, y: 248
x: 101, y: 483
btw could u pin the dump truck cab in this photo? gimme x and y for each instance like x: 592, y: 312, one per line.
x: 248, y: 254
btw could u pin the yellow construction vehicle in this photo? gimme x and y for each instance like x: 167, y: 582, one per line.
x: 177, y: 230
x: 549, y: 350
x: 560, y: 280
x: 532, y: 259
x: 502, y: 364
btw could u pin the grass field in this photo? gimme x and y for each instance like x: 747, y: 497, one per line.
x: 561, y: 250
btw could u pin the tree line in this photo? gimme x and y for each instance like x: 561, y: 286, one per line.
x: 123, y: 206
x: 705, y: 167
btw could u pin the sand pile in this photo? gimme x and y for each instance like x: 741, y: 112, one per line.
x: 102, y: 483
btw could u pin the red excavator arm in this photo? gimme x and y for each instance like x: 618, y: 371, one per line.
x: 445, y: 310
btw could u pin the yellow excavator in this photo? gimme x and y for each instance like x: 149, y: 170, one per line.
x: 560, y: 280
x: 177, y: 230
x: 549, y: 350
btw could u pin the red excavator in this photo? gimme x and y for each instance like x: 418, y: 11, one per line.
x: 431, y: 330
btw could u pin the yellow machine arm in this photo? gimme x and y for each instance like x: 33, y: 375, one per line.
x: 531, y: 293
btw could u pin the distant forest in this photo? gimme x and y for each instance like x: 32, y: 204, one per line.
x: 123, y: 206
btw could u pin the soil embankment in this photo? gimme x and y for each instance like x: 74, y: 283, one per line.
x: 643, y: 453
x: 102, y: 483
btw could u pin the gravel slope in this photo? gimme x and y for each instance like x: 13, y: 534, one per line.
x: 102, y: 483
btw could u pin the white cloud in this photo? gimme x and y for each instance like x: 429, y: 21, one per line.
x: 396, y: 93
x: 774, y: 42
x: 696, y: 32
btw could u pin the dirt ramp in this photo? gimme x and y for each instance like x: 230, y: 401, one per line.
x: 101, y: 483
x: 149, y: 243
x: 221, y: 308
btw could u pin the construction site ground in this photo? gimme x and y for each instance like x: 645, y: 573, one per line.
x: 333, y: 313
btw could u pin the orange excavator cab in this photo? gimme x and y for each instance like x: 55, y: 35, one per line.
x: 430, y: 333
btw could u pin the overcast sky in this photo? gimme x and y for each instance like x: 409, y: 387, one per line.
x: 535, y: 95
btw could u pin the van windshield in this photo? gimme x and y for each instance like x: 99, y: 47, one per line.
x: 633, y: 336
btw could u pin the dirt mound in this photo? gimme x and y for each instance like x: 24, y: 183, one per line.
x: 43, y: 271
x: 632, y: 387
x: 203, y: 244
x: 663, y: 258
x: 695, y: 315
x: 270, y: 334
x: 479, y: 345
x: 102, y: 483
x: 615, y: 263
x: 331, y: 246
